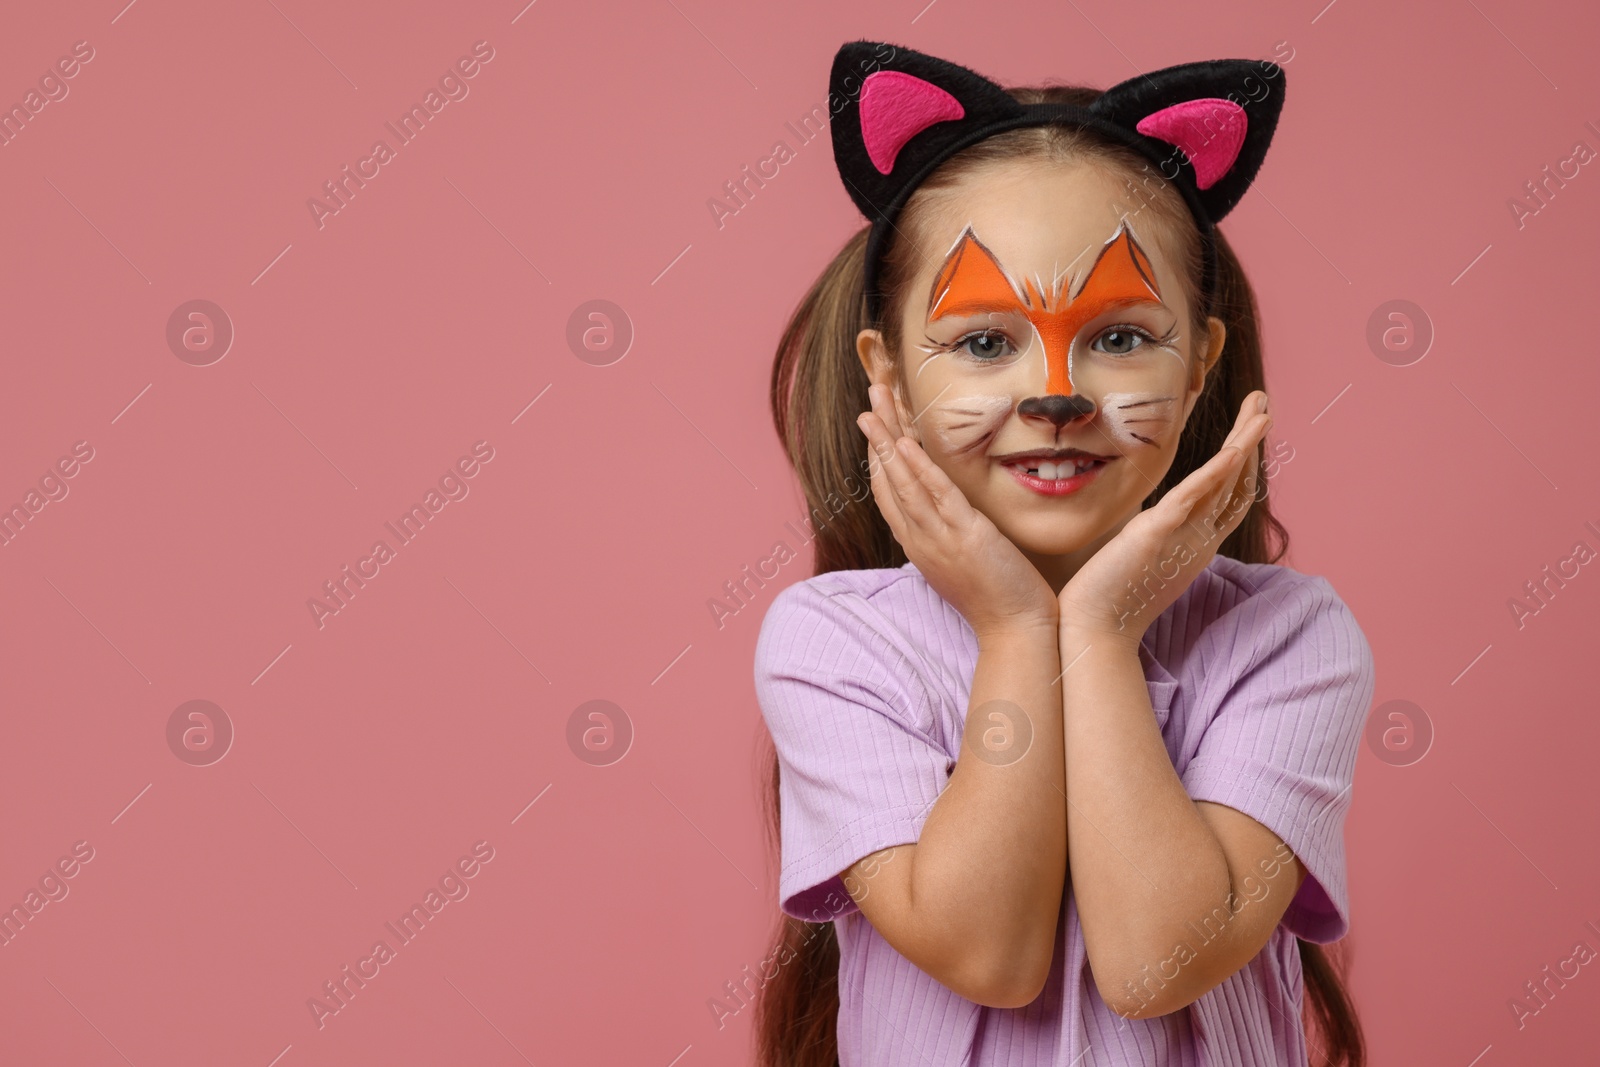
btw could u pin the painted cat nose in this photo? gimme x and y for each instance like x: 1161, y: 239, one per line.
x: 1056, y: 409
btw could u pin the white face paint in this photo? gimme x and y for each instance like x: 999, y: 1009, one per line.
x: 966, y: 423
x: 1140, y: 420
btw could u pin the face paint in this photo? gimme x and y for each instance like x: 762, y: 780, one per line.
x: 1133, y: 419
x: 1027, y: 347
x: 966, y: 423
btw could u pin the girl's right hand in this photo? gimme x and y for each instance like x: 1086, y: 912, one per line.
x: 964, y: 557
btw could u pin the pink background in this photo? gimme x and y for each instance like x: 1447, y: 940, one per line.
x: 427, y: 715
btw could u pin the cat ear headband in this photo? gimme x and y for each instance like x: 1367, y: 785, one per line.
x: 898, y: 114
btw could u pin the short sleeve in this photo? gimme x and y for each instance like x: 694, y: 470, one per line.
x: 1291, y: 676
x: 851, y: 709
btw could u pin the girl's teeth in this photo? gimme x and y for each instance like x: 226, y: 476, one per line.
x: 1066, y: 468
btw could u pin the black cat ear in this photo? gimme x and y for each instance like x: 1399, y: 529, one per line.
x: 1216, y: 117
x: 898, y: 113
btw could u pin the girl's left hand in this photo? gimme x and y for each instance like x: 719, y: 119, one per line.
x: 1141, y: 571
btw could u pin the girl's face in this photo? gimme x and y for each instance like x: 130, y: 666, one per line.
x: 1048, y: 365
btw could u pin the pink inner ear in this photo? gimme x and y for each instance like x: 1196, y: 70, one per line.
x: 895, y: 107
x: 1209, y: 130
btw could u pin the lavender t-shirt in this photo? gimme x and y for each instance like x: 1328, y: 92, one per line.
x: 1260, y: 681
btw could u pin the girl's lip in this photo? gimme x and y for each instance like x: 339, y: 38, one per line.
x: 1054, y: 486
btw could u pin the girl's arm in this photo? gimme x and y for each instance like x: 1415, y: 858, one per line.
x: 1151, y: 868
x: 974, y: 902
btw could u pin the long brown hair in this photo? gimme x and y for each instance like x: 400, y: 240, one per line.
x: 818, y: 389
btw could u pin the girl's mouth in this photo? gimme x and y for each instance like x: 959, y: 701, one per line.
x: 1055, y: 477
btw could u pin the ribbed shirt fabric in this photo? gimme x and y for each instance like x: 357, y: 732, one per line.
x: 1260, y: 680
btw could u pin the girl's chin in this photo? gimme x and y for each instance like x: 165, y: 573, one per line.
x: 1047, y: 535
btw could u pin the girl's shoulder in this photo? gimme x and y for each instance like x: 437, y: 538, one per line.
x: 896, y: 594
x: 1235, y: 581
x: 882, y: 606
x: 1246, y: 613
x: 1227, y: 585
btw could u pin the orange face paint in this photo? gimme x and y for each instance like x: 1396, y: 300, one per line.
x: 972, y: 282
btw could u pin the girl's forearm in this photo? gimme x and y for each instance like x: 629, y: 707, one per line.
x: 990, y: 865
x: 1143, y: 859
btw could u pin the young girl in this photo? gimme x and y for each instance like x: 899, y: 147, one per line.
x: 1061, y: 757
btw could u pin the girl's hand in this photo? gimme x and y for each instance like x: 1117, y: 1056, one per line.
x: 1141, y: 571
x: 966, y: 559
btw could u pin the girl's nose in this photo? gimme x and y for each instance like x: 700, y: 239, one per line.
x: 1056, y: 409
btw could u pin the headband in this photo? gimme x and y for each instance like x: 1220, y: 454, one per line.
x: 1205, y: 126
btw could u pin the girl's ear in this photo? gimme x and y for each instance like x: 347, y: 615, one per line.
x: 1218, y: 337
x: 881, y: 369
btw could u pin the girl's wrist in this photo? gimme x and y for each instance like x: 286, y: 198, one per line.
x: 1038, y: 623
x: 1078, y: 637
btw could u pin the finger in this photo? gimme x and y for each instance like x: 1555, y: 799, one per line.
x: 1204, y: 510
x: 882, y: 399
x: 911, y: 498
x: 882, y: 448
x: 1233, y: 499
x: 1205, y: 489
x: 1210, y: 495
x: 883, y: 458
x: 948, y: 500
x: 1252, y: 405
x: 918, y: 503
x: 1184, y: 498
x: 1247, y: 437
x: 1252, y: 479
x: 1227, y: 515
x: 884, y: 493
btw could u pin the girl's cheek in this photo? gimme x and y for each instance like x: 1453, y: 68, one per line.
x: 964, y: 425
x: 1140, y: 420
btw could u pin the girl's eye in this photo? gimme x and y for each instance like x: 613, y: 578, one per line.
x: 986, y: 345
x: 1121, y: 340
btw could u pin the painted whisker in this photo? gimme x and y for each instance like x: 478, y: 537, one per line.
x: 965, y: 424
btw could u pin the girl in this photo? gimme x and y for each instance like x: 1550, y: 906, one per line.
x: 1061, y: 757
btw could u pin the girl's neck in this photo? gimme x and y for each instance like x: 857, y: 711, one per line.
x: 1059, y: 569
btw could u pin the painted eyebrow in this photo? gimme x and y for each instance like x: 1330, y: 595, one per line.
x: 965, y: 244
x: 1100, y: 306
x: 1011, y: 302
x: 970, y: 308
x: 1104, y: 304
x: 1137, y: 255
